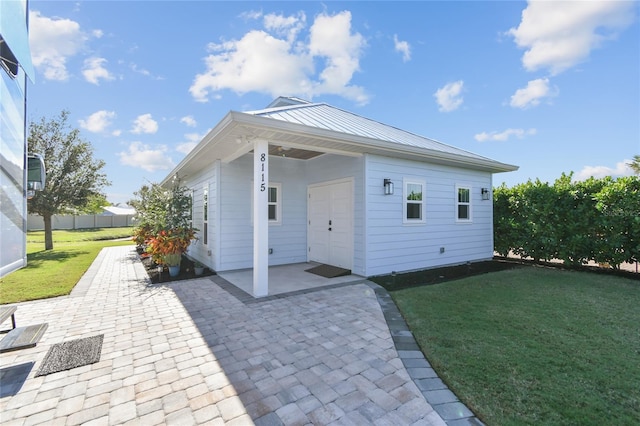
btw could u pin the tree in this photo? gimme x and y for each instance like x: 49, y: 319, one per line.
x: 635, y: 164
x: 74, y: 177
x: 95, y: 205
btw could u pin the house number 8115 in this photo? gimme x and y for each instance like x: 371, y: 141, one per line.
x: 263, y: 186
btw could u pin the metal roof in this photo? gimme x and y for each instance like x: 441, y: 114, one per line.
x: 299, y: 129
x: 324, y: 116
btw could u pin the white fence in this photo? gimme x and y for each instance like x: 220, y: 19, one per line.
x: 36, y: 223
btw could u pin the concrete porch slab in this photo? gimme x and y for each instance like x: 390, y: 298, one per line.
x: 286, y: 279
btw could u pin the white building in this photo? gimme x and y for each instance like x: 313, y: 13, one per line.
x: 300, y: 181
x: 15, y: 67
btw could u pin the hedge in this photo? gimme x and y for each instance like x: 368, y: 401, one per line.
x: 596, y: 219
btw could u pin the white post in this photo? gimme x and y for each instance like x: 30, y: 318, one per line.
x: 260, y: 218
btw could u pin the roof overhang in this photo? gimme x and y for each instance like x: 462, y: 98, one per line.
x: 234, y: 135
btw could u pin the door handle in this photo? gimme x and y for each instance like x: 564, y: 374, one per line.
x: 329, y: 222
x: 329, y: 229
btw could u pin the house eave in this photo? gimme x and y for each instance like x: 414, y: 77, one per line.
x: 237, y: 129
x: 362, y: 145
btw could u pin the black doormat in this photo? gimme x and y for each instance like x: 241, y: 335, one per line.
x: 329, y: 271
x: 74, y: 353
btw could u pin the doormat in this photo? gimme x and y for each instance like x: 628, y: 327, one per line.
x: 75, y: 353
x: 329, y: 271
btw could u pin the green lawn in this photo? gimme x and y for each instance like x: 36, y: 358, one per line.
x: 51, y: 273
x: 534, y: 345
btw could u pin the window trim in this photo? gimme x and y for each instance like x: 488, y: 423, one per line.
x: 205, y: 215
x: 278, y: 203
x: 458, y: 203
x: 405, y: 183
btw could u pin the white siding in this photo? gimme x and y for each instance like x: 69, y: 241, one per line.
x: 287, y: 240
x: 394, y: 246
x: 198, y: 250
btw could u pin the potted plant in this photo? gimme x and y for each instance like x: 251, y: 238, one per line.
x: 198, y: 268
x: 172, y: 260
x: 168, y: 246
x: 164, y: 218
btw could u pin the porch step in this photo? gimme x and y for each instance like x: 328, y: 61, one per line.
x: 22, y: 337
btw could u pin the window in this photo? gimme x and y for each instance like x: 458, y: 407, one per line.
x: 413, y: 207
x: 192, y: 208
x: 463, y: 204
x: 8, y: 59
x: 205, y: 215
x: 275, y: 203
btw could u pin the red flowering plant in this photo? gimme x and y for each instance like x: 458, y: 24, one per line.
x: 164, y: 218
x: 167, y: 246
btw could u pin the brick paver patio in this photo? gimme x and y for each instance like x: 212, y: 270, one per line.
x: 192, y: 353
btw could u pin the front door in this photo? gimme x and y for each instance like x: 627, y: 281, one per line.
x: 330, y: 224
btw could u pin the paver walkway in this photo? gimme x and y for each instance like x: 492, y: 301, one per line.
x: 191, y: 353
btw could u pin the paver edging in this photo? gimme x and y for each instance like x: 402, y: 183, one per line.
x: 434, y: 390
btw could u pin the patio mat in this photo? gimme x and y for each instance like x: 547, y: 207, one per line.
x: 329, y: 271
x: 74, y: 353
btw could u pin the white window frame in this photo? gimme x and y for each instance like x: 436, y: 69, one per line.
x: 459, y: 203
x: 405, y: 193
x: 278, y: 203
x: 205, y: 215
x: 193, y: 207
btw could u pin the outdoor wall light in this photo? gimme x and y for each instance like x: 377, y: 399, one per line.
x: 485, y: 194
x: 388, y: 187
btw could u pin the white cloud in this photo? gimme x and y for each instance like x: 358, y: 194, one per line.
x: 189, y: 121
x: 331, y: 39
x: 98, y: 121
x: 135, y: 68
x: 144, y: 124
x: 192, y: 140
x: 289, y: 26
x: 144, y: 157
x: 280, y: 61
x: 449, y: 97
x: 252, y: 14
x: 621, y: 169
x: 94, y: 70
x: 504, y: 135
x: 53, y: 41
x: 560, y: 34
x: 402, y: 47
x: 532, y: 94
x: 97, y: 33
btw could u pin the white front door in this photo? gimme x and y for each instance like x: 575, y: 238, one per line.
x: 330, y: 235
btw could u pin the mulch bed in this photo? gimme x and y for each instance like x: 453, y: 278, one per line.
x: 439, y: 275
x: 162, y: 275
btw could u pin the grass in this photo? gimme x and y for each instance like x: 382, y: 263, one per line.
x: 51, y: 273
x: 534, y: 345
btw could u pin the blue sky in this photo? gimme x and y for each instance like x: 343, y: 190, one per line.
x: 551, y: 87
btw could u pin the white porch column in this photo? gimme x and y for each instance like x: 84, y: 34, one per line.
x: 260, y: 218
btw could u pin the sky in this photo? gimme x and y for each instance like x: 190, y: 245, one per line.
x: 552, y: 87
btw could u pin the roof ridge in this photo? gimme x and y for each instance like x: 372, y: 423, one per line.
x: 284, y: 108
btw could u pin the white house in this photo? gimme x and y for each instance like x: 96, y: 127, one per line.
x: 300, y: 182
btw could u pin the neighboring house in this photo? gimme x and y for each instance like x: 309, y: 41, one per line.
x: 15, y: 67
x: 300, y: 181
x: 118, y: 211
